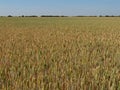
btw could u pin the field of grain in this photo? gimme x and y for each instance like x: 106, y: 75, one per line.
x: 70, y: 53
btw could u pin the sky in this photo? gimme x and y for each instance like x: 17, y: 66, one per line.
x: 59, y: 7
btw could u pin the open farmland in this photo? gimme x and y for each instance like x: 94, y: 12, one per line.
x: 70, y: 53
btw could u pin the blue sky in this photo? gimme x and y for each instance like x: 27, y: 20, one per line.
x: 59, y: 7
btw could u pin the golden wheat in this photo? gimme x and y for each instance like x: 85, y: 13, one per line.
x: 60, y: 53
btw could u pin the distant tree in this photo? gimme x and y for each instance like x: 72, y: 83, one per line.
x: 9, y: 15
x: 107, y: 16
x: 100, y: 16
x: 92, y: 16
x: 63, y: 16
x: 51, y: 16
x: 79, y: 16
x: 22, y: 16
x: 85, y: 16
x: 31, y: 16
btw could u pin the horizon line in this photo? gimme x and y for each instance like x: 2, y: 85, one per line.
x: 59, y: 16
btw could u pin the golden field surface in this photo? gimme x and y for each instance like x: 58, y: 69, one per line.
x: 69, y: 53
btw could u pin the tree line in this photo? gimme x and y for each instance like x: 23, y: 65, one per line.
x: 62, y: 16
x: 39, y: 16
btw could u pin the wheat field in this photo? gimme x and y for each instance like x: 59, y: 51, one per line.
x: 65, y: 53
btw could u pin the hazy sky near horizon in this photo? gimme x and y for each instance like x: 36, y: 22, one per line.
x: 59, y: 7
